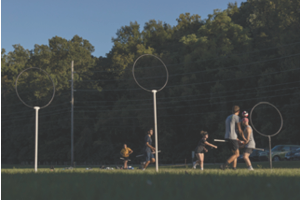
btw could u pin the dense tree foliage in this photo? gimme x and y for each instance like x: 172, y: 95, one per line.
x: 242, y: 55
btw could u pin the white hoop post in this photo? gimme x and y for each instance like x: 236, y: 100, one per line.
x: 154, y: 101
x: 155, y: 128
x: 37, y: 108
x: 36, y: 137
x: 269, y: 136
x: 270, y: 152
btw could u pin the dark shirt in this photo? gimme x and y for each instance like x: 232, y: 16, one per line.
x: 202, y: 142
x: 149, y: 140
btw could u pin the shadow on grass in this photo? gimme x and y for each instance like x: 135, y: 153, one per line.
x: 169, y: 183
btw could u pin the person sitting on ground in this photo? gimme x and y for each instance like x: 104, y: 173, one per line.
x: 125, y: 152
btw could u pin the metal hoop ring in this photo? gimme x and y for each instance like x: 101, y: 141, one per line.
x: 161, y: 62
x: 275, y: 109
x: 16, y: 83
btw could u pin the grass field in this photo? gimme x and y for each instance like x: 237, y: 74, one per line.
x: 172, y: 182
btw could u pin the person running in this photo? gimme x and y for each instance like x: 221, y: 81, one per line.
x: 232, y: 122
x: 149, y: 158
x: 250, y: 144
x: 125, y: 152
x: 200, y: 149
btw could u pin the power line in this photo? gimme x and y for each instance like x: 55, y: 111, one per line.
x: 180, y: 115
x: 202, y: 94
x: 40, y: 116
x: 216, y: 58
x: 32, y: 110
x: 210, y: 112
x: 175, y: 101
x: 195, y: 105
x: 196, y: 72
x: 40, y: 130
x: 185, y: 96
x: 7, y: 105
x: 131, y: 89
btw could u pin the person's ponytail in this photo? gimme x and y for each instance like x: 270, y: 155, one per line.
x: 203, y: 133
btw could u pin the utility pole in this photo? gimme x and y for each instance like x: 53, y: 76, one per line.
x: 72, y: 113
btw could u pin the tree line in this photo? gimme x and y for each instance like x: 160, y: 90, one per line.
x: 239, y: 56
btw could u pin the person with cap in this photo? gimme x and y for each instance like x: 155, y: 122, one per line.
x: 249, y: 145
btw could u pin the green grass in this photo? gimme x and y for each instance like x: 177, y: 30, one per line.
x: 172, y: 182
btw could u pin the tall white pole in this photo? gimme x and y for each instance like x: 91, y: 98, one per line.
x: 72, y: 114
x: 155, y: 127
x: 36, y: 137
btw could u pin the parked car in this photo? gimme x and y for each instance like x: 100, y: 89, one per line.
x: 293, y: 155
x: 253, y: 156
x: 278, y: 152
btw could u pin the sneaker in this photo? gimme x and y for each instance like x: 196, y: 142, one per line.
x: 194, y: 165
x: 234, y: 168
x: 250, y: 168
x: 223, y: 166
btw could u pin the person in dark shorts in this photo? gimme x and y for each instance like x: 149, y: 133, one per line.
x: 200, y: 149
x: 232, y: 122
x: 149, y: 157
x: 125, y: 152
x: 250, y: 144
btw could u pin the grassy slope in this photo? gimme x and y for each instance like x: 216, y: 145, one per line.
x: 283, y: 182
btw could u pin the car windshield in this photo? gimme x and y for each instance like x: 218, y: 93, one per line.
x: 277, y: 148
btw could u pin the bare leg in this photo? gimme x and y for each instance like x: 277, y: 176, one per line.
x: 201, y: 160
x: 234, y: 157
x: 148, y: 162
x: 247, y: 160
x: 125, y: 164
x: 234, y: 163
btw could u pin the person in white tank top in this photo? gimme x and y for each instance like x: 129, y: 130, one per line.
x: 249, y: 145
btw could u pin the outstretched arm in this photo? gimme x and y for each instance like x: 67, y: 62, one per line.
x: 207, y: 143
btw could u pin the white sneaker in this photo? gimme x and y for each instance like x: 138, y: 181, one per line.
x: 201, y: 168
x: 194, y: 165
x: 250, y: 168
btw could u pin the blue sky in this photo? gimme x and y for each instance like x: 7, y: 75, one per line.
x: 33, y: 22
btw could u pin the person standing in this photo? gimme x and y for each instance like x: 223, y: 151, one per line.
x: 149, y: 149
x: 125, y: 152
x: 200, y: 149
x: 250, y: 144
x: 231, y: 123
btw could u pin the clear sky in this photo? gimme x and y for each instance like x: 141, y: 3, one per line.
x: 30, y: 22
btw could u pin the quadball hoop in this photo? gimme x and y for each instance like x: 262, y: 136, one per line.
x: 251, y: 121
x: 16, y: 87
x: 161, y: 62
